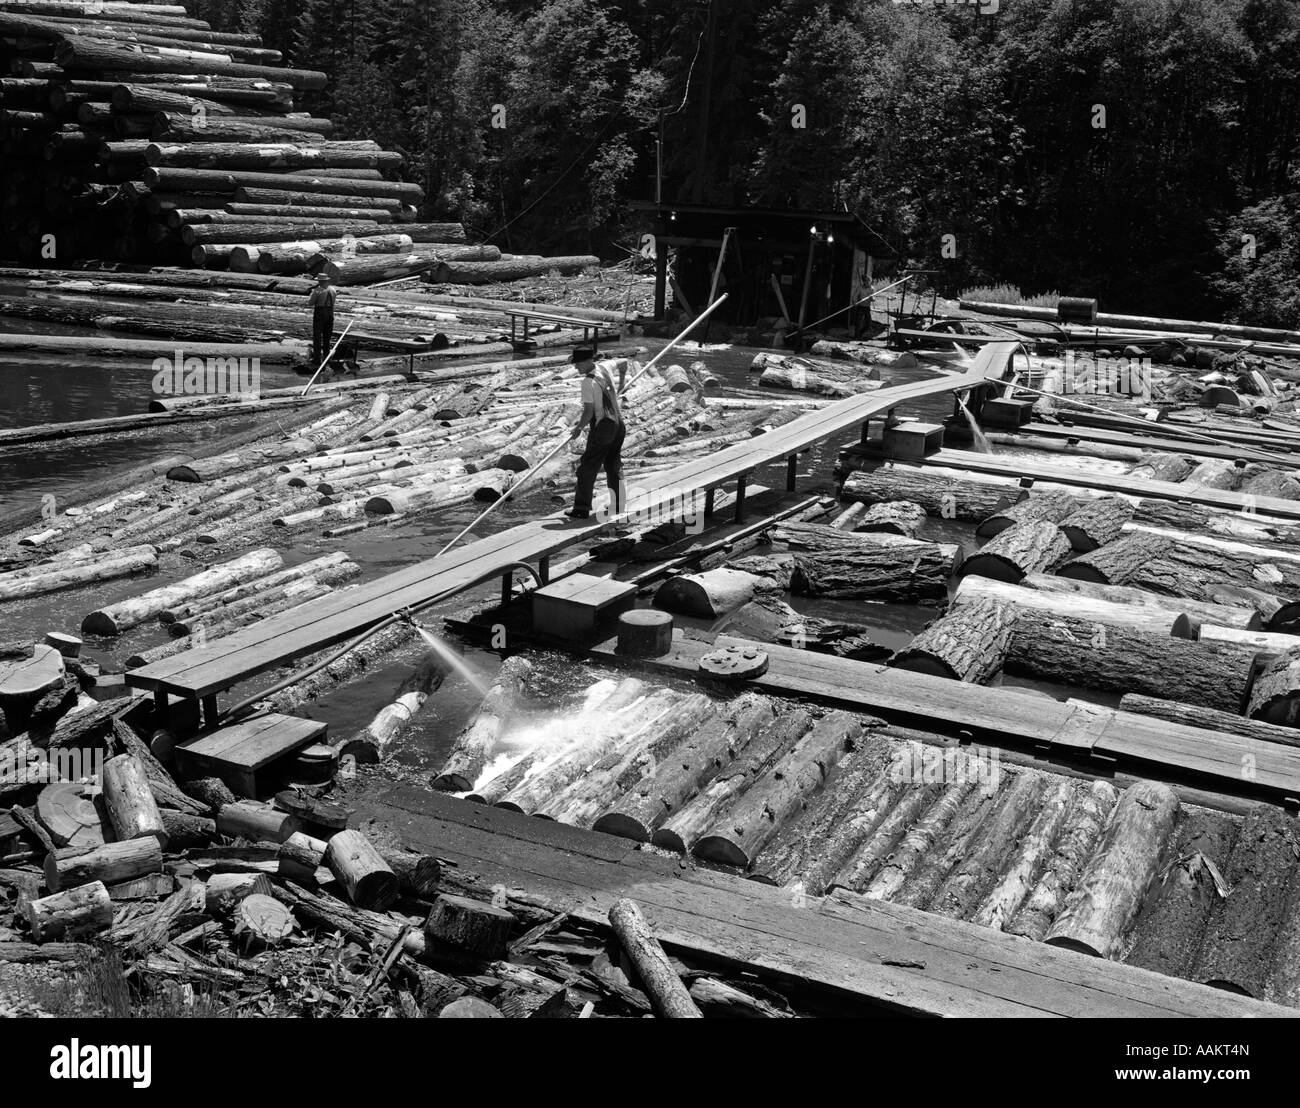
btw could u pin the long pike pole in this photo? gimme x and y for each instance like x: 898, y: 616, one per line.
x: 325, y: 360
x: 535, y: 469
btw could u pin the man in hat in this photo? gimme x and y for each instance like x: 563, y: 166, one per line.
x: 602, y: 418
x: 321, y: 300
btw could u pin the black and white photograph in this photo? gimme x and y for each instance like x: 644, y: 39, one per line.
x: 617, y: 510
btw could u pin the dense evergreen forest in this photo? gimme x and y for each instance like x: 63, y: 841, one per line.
x: 1141, y: 151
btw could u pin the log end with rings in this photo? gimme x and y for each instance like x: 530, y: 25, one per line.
x: 735, y: 663
x: 645, y: 633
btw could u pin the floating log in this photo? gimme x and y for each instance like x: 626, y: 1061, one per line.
x: 369, y: 744
x: 967, y: 644
x: 1133, y: 608
x: 1243, y: 928
x: 1017, y: 551
x: 1116, y: 562
x: 780, y: 792
x: 707, y: 595
x: 369, y: 881
x: 693, y: 819
x: 469, y: 751
x: 131, y: 613
x: 1171, y: 927
x: 129, y: 800
x: 125, y: 564
x: 1088, y: 814
x: 893, y: 517
x: 907, y: 572
x: 75, y: 913
x: 1051, y: 506
x: 1162, y: 467
x: 877, y: 825
x: 1096, y: 522
x: 669, y: 995
x: 1275, y: 697
x: 943, y: 493
x: 111, y: 863
x: 1116, y: 879
x: 1086, y: 654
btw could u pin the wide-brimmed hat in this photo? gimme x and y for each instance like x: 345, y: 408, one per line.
x: 322, y: 276
x: 583, y: 354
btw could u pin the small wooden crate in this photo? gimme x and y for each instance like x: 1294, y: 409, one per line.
x: 242, y: 754
x: 912, y: 441
x: 576, y: 606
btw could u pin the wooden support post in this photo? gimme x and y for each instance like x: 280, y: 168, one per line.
x: 210, y: 711
x: 507, y: 585
x: 791, y: 472
x: 544, y: 570
x: 661, y: 277
x: 708, y: 504
x: 741, y: 482
x: 866, y: 430
x: 160, y: 707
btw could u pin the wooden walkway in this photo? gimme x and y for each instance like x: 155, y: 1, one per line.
x: 875, y: 957
x: 1073, y: 732
x: 206, y: 671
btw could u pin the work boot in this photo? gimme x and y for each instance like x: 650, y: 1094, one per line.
x: 578, y: 513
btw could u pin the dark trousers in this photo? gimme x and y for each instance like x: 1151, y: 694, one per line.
x: 322, y: 331
x: 604, y: 451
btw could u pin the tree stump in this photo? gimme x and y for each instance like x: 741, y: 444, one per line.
x: 469, y: 926
x: 76, y: 913
x: 369, y: 882
x: 645, y: 633
x: 261, y: 922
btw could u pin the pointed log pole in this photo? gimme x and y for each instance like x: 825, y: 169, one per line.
x: 469, y: 752
x: 781, y: 792
x: 1116, y: 879
x: 968, y: 644
x: 668, y: 994
x: 1171, y: 928
x: 1088, y: 814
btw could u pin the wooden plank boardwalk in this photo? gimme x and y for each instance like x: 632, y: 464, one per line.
x: 1077, y: 732
x: 881, y: 958
x: 206, y: 671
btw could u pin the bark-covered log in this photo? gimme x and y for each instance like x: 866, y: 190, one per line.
x: 895, y: 517
x: 1243, y: 928
x: 670, y: 996
x: 470, y: 926
x: 1095, y: 522
x: 111, y: 863
x: 1191, y: 715
x: 1113, y: 884
x: 167, y: 179
x: 1162, y: 467
x: 693, y: 765
x: 1069, y: 590
x: 1023, y: 549
x: 784, y: 789
x: 967, y: 644
x: 248, y: 819
x: 902, y: 573
x: 130, y: 803
x: 81, y: 52
x: 886, y: 827
x: 480, y: 273
x: 417, y: 874
x: 943, y: 493
x: 1171, y: 926
x: 1088, y: 814
x: 1116, y: 562
x: 287, y: 200
x: 1009, y: 891
x: 1088, y: 654
x: 470, y: 749
x: 1051, y: 506
x: 1214, y: 473
x: 76, y: 913
x: 1275, y: 697
x: 917, y: 843
x: 185, y: 830
x: 369, y: 744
